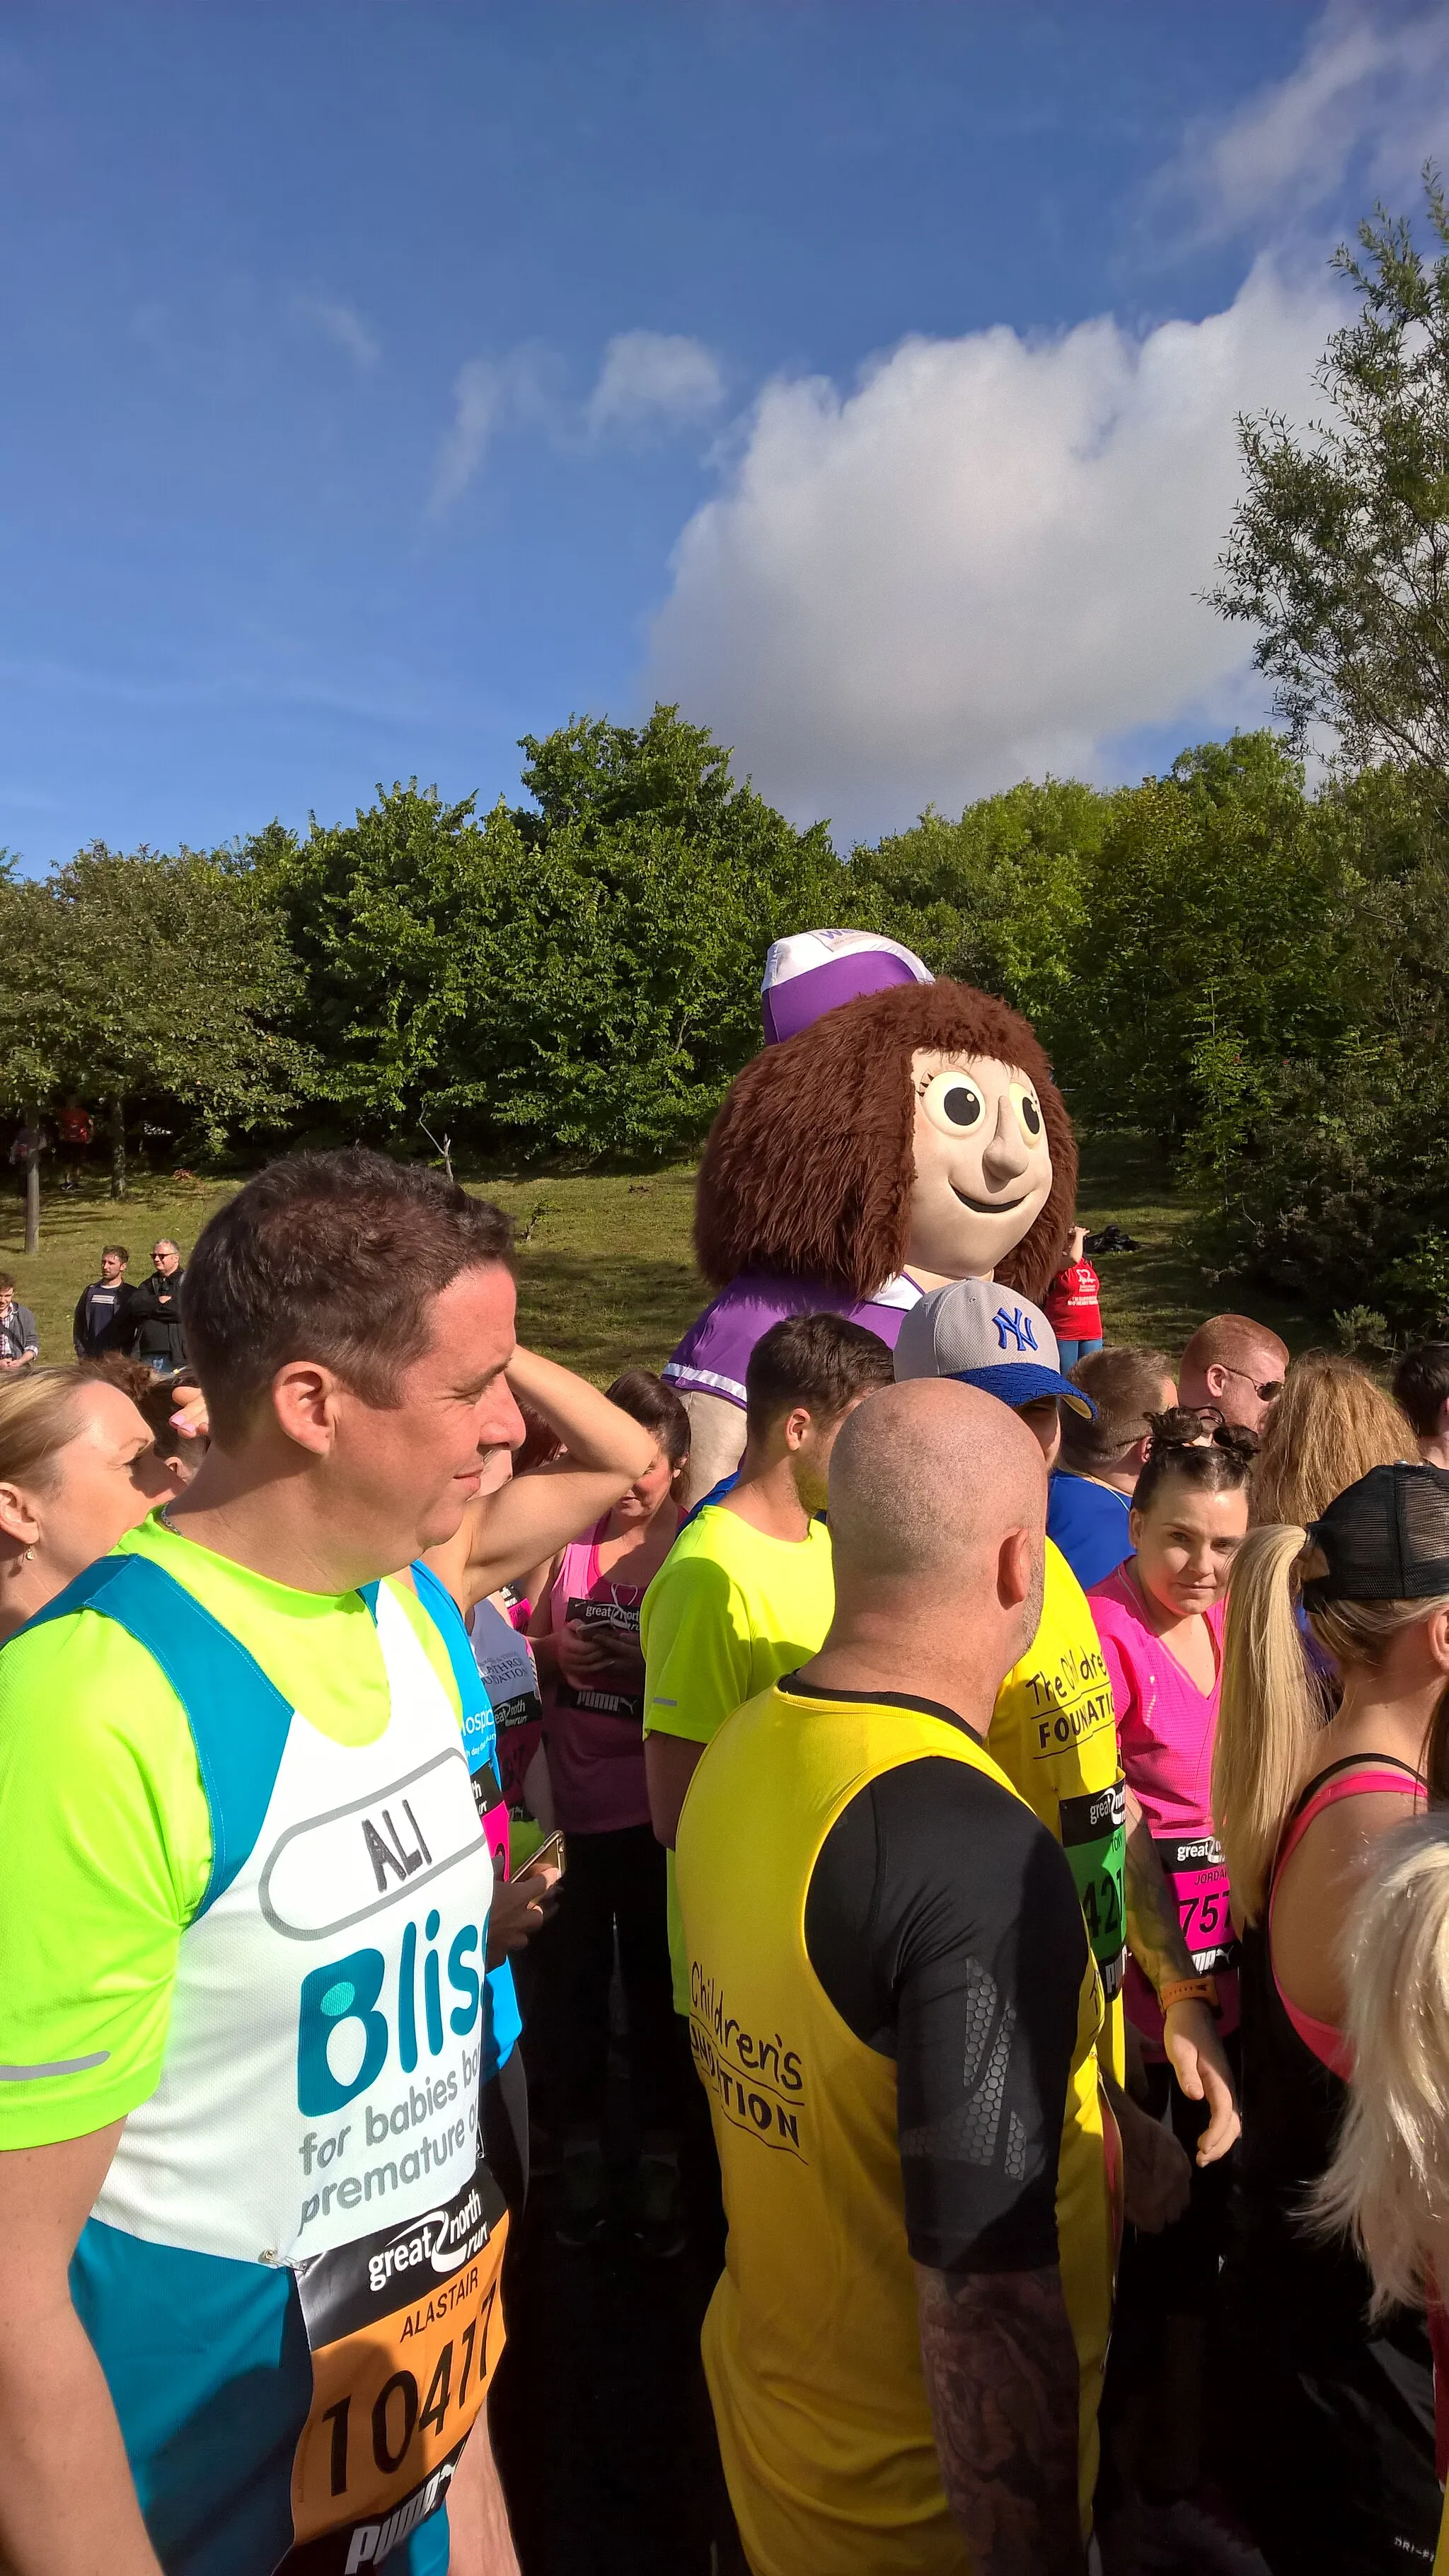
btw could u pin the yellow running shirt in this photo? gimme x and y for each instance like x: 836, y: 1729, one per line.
x: 728, y: 1611
x: 1054, y: 1733
x: 894, y: 2010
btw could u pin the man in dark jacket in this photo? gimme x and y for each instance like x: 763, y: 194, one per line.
x: 98, y: 1324
x: 153, y: 1312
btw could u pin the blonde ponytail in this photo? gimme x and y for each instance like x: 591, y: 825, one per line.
x: 1388, y: 2184
x: 1268, y: 1714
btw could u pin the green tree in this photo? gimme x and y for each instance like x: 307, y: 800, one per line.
x: 1339, y: 553
x: 144, y: 974
x: 583, y: 973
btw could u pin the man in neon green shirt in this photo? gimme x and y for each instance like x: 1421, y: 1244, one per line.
x: 244, y: 1918
x: 747, y: 1591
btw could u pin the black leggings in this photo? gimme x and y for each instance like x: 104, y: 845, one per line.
x: 1327, y: 2443
x: 612, y: 1882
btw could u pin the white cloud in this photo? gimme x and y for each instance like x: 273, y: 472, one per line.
x: 984, y: 560
x: 654, y: 379
x: 1367, y: 96
x: 490, y: 394
x: 980, y: 564
x: 343, y: 325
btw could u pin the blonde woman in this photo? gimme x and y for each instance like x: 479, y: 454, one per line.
x: 1327, y: 2446
x: 78, y: 1466
x: 1330, y: 1425
x: 1388, y: 2184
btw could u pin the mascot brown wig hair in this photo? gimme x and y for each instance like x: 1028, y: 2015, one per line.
x: 809, y: 1165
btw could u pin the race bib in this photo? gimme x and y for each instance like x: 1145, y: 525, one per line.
x: 1195, y: 1870
x: 1197, y: 1879
x: 405, y: 2329
x: 1094, y: 1838
x: 623, y: 1617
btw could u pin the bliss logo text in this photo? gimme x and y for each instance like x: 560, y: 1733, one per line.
x: 347, y: 1997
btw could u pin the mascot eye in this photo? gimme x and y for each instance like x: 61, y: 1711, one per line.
x: 1028, y: 1113
x: 954, y: 1103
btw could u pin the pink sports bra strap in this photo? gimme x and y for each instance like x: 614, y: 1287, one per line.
x: 1358, y: 1776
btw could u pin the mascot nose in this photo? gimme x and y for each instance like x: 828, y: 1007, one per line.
x: 1006, y: 1157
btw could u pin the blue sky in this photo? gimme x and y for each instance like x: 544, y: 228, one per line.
x: 387, y: 380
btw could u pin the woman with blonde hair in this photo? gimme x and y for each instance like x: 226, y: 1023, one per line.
x: 1328, y: 2448
x: 1388, y: 2185
x: 77, y: 1468
x: 1329, y: 1426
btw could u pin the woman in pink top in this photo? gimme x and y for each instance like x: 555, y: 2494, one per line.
x: 1160, y: 1620
x: 584, y: 1630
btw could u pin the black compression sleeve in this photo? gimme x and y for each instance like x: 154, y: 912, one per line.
x: 943, y: 1923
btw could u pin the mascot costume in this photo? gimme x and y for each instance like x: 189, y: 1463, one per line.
x: 896, y: 1133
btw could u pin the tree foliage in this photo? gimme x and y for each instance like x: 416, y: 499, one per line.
x: 580, y: 973
x: 127, y: 974
x: 1339, y: 553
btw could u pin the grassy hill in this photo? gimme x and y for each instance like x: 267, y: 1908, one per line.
x: 607, y: 1275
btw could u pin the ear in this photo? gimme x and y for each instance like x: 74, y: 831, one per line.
x: 1140, y: 1448
x: 17, y: 1520
x: 1436, y: 1631
x: 1134, y: 1527
x: 797, y: 1427
x: 307, y: 1400
x: 1014, y: 1565
x: 1214, y: 1378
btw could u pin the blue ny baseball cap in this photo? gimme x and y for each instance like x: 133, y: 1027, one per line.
x: 991, y: 1337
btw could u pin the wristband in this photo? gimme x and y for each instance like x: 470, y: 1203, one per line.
x: 1188, y: 1990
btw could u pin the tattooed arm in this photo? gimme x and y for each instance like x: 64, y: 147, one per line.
x: 1154, y: 1937
x: 1001, y: 2375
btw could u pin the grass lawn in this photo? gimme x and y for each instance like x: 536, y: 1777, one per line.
x: 607, y: 1276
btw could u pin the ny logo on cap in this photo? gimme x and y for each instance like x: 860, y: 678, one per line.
x: 1017, y: 1325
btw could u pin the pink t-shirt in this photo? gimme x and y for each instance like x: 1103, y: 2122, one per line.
x: 1166, y: 1726
x: 594, y: 1738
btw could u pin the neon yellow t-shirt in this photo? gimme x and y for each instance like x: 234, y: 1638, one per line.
x: 105, y: 1827
x: 729, y: 1611
x: 1054, y: 1733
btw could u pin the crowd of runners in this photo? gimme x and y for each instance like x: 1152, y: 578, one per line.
x: 987, y: 1861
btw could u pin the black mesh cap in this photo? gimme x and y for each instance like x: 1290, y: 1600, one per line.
x: 1385, y: 1538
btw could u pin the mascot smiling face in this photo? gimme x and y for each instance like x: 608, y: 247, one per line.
x: 903, y: 1139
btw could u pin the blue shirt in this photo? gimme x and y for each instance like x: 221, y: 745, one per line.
x: 1089, y: 1524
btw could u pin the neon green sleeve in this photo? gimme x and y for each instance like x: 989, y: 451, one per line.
x: 107, y: 1843
x: 696, y: 1638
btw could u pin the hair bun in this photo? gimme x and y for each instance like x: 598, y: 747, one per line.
x: 1236, y: 1437
x: 1178, y: 1428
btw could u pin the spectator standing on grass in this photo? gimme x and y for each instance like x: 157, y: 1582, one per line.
x: 100, y: 1308
x: 19, y: 1332
x: 1421, y: 1386
x: 1073, y: 1304
x: 585, y: 1637
x: 895, y: 2013
x: 1234, y: 1368
x: 1090, y: 1496
x: 152, y: 1315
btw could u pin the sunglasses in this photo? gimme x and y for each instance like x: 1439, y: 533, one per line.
x: 1265, y: 1393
